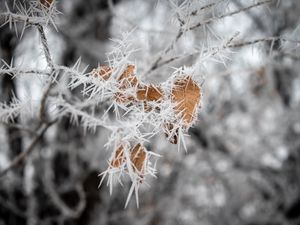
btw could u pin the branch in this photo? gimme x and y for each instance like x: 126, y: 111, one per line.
x: 12, y: 71
x: 206, y: 22
x: 156, y: 63
x: 273, y: 39
x: 231, y: 45
x: 20, y: 158
x: 56, y: 199
x: 14, y: 17
x: 42, y: 112
x: 20, y: 127
x: 45, y: 46
x: 33, y: 16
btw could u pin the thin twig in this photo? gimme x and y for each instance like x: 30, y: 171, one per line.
x: 19, y: 159
x: 32, y: 20
x: 15, y: 71
x: 156, y: 64
x: 242, y: 44
x: 229, y: 45
x: 51, y: 189
x: 45, y: 47
x: 20, y: 127
x: 42, y: 112
x: 206, y: 22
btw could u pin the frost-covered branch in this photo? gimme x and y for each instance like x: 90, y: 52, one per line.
x: 14, y: 71
x: 13, y: 110
x: 214, y: 50
x: 156, y: 64
x: 37, y: 14
x: 45, y: 47
x: 213, y: 19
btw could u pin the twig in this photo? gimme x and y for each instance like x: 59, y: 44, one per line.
x: 55, y: 197
x: 160, y: 57
x: 42, y: 112
x: 19, y: 159
x: 230, y: 45
x: 206, y: 22
x: 14, y: 71
x: 156, y: 63
x: 242, y: 44
x: 205, y: 7
x: 45, y: 46
x: 32, y: 20
x: 18, y: 126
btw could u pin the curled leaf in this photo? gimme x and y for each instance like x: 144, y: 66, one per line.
x: 186, y: 98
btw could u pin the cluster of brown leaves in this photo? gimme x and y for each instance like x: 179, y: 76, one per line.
x: 185, y: 96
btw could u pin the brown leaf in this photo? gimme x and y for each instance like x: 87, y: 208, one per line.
x: 149, y: 93
x: 103, y: 71
x: 118, y: 158
x: 138, y: 157
x: 127, y: 78
x: 186, y: 98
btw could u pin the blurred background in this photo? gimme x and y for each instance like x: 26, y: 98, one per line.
x: 242, y: 165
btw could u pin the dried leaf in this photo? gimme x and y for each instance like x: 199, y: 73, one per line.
x: 138, y: 157
x: 186, y: 98
x: 118, y: 158
x: 103, y: 71
x: 127, y: 78
x: 149, y: 93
